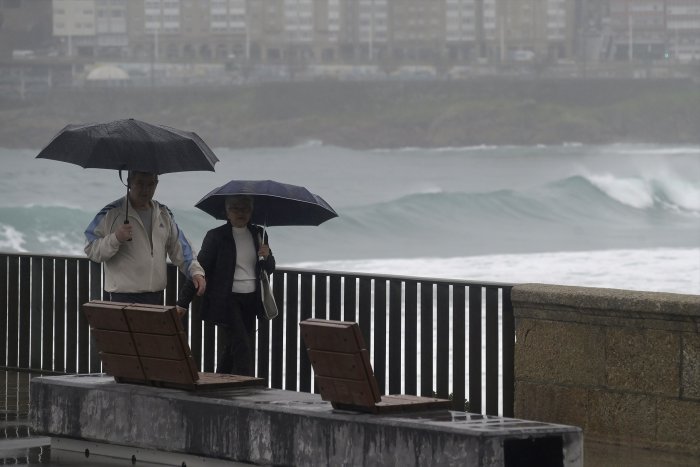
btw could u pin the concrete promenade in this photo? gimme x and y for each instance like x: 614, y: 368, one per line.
x: 275, y: 427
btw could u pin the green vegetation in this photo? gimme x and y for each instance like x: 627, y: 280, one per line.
x: 383, y: 114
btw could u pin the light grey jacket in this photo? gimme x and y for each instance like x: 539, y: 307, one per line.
x: 138, y: 265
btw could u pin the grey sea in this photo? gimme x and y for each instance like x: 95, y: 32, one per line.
x: 622, y: 216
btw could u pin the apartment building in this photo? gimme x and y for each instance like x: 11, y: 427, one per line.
x: 25, y: 26
x: 527, y: 30
x: 638, y: 29
x: 683, y: 30
x: 463, y: 29
x: 111, y: 32
x: 74, y: 25
x: 655, y: 29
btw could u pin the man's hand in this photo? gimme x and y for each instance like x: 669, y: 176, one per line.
x: 200, y: 283
x: 123, y: 232
x: 180, y: 311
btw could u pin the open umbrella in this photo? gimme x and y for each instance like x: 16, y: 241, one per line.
x: 130, y: 144
x: 275, y: 203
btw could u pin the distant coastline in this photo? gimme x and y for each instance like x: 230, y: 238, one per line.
x: 380, y: 114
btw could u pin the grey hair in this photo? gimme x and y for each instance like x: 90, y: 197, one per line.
x: 234, y: 198
x: 130, y: 174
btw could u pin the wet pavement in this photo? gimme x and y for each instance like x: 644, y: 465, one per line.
x: 18, y: 444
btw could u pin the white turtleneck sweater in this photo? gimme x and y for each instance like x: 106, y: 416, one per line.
x: 246, y: 256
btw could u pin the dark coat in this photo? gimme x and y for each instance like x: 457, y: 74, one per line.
x: 218, y: 258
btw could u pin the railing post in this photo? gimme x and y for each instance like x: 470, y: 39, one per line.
x: 59, y: 308
x: 4, y: 308
x: 411, y: 337
x: 395, y: 336
x: 380, y: 333
x: 459, y: 348
x: 277, y: 337
x: 491, y: 351
x: 35, y: 336
x: 426, y: 339
x: 349, y: 298
x: 320, y: 297
x: 96, y: 289
x: 48, y: 310
x: 442, y: 365
x: 292, y: 331
x: 72, y: 310
x: 508, y: 356
x: 334, y: 307
x: 475, y: 317
x: 83, y: 327
x: 24, y: 312
x: 305, y: 306
x: 365, y: 310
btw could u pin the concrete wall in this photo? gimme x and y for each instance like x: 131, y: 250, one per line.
x: 273, y: 427
x: 622, y: 365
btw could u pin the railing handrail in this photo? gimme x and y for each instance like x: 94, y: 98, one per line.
x: 425, y: 334
x: 436, y: 280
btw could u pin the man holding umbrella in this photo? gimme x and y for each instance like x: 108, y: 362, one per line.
x: 134, y: 250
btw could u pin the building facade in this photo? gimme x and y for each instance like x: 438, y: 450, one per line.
x: 25, y: 25
x: 655, y: 30
x: 384, y: 33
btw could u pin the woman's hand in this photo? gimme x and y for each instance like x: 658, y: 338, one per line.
x: 264, y: 251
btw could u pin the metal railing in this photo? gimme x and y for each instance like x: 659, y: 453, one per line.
x: 426, y: 336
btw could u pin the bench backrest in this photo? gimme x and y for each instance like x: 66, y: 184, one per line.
x: 341, y: 362
x: 141, y: 343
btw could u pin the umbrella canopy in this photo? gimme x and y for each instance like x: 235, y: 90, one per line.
x: 275, y: 203
x: 130, y: 145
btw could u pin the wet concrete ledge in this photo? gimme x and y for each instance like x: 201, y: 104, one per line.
x: 269, y: 426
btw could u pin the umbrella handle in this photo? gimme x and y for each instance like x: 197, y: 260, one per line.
x: 126, y: 216
x: 261, y: 239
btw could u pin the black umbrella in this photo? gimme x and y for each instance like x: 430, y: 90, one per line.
x: 130, y: 145
x: 275, y: 203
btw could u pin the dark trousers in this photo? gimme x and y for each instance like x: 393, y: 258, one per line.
x: 151, y: 298
x: 236, y: 339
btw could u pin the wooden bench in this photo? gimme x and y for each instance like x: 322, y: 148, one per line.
x: 344, y: 374
x: 147, y: 344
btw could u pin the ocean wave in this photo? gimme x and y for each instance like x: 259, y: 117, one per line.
x: 641, y: 193
x: 443, y: 149
x: 573, y: 199
x: 11, y: 239
x: 628, y: 149
x: 660, y: 269
x: 66, y: 243
x: 632, y: 192
x: 597, y: 205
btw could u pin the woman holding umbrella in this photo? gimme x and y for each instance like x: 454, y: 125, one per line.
x: 233, y: 256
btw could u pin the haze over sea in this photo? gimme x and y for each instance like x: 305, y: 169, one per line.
x: 622, y: 216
